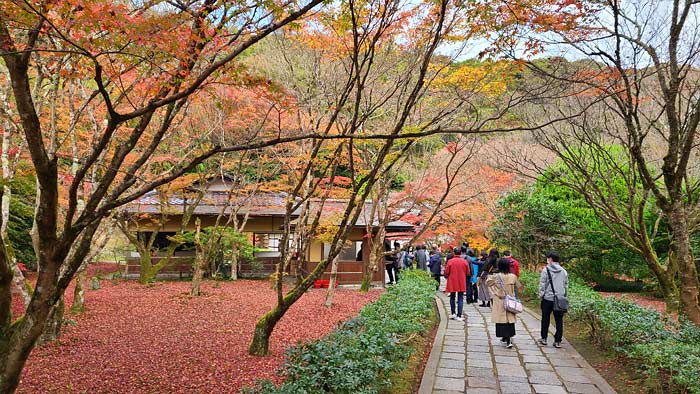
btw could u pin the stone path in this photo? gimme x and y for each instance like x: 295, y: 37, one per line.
x: 468, y: 358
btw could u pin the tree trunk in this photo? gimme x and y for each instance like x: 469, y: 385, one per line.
x: 667, y: 284
x: 263, y: 329
x: 14, y: 352
x: 669, y: 290
x: 680, y: 246
x: 34, y: 233
x: 366, y: 276
x: 79, y: 292
x: 54, y: 323
x: 259, y: 346
x: 376, y: 256
x: 20, y: 338
x: 98, y: 244
x: 331, y: 285
x: 21, y: 284
x: 197, y: 275
x: 146, y: 274
x: 198, y: 263
x: 234, y: 261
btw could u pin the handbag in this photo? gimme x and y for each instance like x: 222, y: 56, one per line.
x: 510, y: 303
x: 561, y: 303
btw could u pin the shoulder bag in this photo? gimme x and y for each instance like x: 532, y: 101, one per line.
x: 561, y: 303
x: 510, y: 303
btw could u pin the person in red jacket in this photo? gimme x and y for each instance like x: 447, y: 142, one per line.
x: 456, y: 272
x: 514, y: 264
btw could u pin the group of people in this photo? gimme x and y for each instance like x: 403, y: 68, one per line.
x: 486, y: 279
x: 404, y: 259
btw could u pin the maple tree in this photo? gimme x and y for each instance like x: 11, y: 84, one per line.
x: 355, y: 32
x: 347, y: 74
x: 102, y: 92
x: 144, y: 61
x: 635, y: 87
x: 151, y: 259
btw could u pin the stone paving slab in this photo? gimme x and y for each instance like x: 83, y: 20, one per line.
x: 515, y: 388
x: 453, y: 356
x: 480, y: 390
x: 548, y: 389
x: 479, y: 355
x: 483, y: 382
x: 468, y: 358
x: 454, y: 364
x: 480, y: 363
x: 544, y: 377
x: 539, y: 367
x: 453, y: 384
x: 581, y: 388
x: 450, y: 373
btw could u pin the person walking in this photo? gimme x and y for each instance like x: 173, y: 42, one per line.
x: 456, y: 271
x: 476, y: 267
x: 421, y: 257
x: 501, y: 283
x: 465, y: 247
x: 514, y: 264
x: 553, y: 279
x: 407, y: 258
x: 489, y: 266
x: 435, y: 265
x: 398, y: 255
x: 469, y: 258
x: 389, y: 262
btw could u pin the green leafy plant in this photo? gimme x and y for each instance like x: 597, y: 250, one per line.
x: 547, y: 216
x: 361, y: 354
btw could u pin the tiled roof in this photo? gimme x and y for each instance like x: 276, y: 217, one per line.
x: 259, y: 204
x: 338, y: 206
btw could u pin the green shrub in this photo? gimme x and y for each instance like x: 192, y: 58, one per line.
x: 661, y: 347
x: 679, y: 360
x: 605, y: 283
x: 359, y: 356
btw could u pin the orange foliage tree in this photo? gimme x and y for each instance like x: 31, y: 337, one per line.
x: 143, y: 61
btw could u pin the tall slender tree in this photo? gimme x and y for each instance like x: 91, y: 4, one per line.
x: 637, y: 74
x: 143, y: 72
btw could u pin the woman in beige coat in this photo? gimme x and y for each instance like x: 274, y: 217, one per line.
x: 505, y: 321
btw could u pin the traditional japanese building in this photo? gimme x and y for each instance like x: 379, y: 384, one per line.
x: 260, y: 216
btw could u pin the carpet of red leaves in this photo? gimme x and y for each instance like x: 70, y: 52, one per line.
x: 137, y: 339
x: 640, y: 299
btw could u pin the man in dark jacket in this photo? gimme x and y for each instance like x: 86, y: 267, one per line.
x: 435, y: 265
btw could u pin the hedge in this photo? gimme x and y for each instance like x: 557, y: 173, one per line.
x: 662, y: 348
x: 359, y: 356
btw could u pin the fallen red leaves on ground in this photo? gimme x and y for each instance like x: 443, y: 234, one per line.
x: 158, y: 339
x: 640, y: 299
